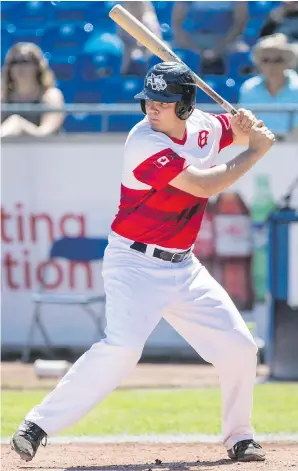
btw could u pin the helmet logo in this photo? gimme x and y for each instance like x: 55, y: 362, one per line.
x: 157, y: 82
x: 203, y: 138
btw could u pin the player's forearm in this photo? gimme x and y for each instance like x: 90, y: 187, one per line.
x: 209, y: 182
x: 221, y: 177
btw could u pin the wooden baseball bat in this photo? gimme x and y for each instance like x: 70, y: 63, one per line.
x: 142, y: 34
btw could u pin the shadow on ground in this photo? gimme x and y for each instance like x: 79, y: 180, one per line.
x: 170, y: 466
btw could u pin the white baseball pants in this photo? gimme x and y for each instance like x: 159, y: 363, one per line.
x: 140, y: 290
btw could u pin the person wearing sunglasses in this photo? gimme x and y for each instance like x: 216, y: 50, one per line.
x: 276, y: 84
x: 27, y: 79
x: 283, y: 19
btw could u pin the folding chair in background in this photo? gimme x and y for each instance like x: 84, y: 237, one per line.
x: 73, y: 249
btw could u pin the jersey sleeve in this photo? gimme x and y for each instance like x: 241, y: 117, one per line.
x: 153, y: 162
x: 223, y: 126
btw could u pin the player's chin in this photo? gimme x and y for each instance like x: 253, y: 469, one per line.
x: 155, y: 124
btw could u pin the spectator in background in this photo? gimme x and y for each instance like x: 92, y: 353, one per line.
x: 26, y: 79
x: 212, y: 29
x: 277, y: 83
x: 284, y: 19
x: 135, y: 56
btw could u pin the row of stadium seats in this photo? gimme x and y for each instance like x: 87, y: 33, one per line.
x: 122, y: 89
x: 28, y: 15
x: 66, y: 55
x: 82, y: 122
x: 64, y: 27
x: 32, y: 14
x: 102, y: 72
x: 68, y: 39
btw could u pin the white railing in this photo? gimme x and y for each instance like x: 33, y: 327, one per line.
x: 108, y: 109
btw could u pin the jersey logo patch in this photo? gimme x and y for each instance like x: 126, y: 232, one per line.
x: 156, y: 82
x: 162, y: 161
x: 203, y: 138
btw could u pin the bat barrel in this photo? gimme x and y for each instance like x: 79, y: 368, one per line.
x: 142, y: 34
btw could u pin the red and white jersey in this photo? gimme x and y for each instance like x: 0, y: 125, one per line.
x: 151, y: 211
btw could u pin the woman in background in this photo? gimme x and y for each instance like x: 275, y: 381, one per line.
x: 27, y: 79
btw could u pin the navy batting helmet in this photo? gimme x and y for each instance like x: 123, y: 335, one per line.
x: 170, y: 82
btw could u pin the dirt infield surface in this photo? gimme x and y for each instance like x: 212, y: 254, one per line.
x: 16, y: 375
x: 140, y: 457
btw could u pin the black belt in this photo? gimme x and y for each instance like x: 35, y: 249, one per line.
x: 175, y: 257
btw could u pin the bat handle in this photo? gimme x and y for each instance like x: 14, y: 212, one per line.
x: 228, y: 107
x: 233, y: 111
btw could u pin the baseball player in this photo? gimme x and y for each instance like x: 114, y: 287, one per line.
x: 170, y: 169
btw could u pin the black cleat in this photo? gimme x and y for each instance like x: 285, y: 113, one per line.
x: 247, y: 450
x: 27, y: 439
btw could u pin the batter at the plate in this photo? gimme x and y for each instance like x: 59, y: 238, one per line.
x: 169, y: 171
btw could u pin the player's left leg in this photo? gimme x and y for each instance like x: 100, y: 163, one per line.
x: 207, y: 318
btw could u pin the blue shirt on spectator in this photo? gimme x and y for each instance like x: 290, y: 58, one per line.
x: 209, y: 17
x: 254, y: 91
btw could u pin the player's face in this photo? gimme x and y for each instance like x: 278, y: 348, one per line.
x: 161, y: 115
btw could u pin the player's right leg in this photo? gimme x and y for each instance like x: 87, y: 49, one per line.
x: 137, y: 291
x: 208, y: 319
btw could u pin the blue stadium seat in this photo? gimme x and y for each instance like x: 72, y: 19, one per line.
x: 82, y: 122
x: 129, y: 87
x: 107, y: 6
x: 8, y: 10
x: 153, y: 61
x: 228, y: 88
x: 88, y: 95
x: 239, y: 64
x: 64, y: 40
x: 164, y: 15
x: 104, y: 90
x: 28, y: 36
x: 164, y: 11
x: 104, y: 24
x: 6, y: 42
x: 166, y: 31
x: 69, y: 5
x: 202, y: 97
x: 110, y: 89
x: 64, y: 68
x: 100, y: 9
x: 123, y: 123
x: 91, y: 67
x: 138, y: 67
x: 68, y: 90
x: 261, y: 9
x: 252, y: 31
x: 92, y: 14
x: 29, y: 15
x: 71, y: 12
x: 190, y: 58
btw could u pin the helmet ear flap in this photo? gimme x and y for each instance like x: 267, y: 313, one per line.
x: 143, y: 106
x: 183, y: 111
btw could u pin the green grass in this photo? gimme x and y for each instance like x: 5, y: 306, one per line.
x: 171, y: 411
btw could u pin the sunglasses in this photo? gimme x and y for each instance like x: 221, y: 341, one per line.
x: 22, y: 60
x: 271, y: 60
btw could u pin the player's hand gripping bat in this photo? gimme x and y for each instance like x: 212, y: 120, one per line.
x: 142, y: 34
